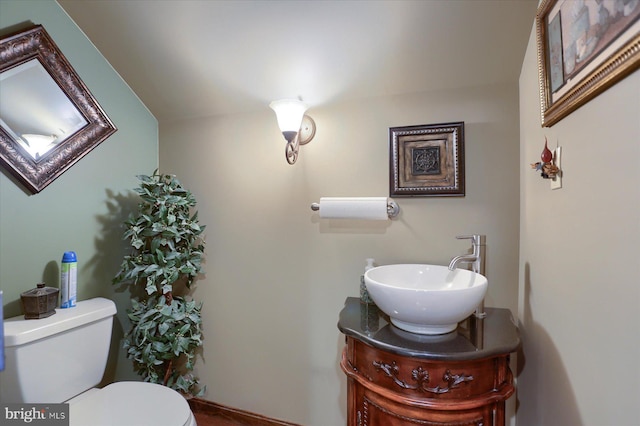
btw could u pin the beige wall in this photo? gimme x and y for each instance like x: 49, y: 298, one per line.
x: 277, y: 276
x: 579, y: 246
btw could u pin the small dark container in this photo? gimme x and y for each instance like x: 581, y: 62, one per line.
x: 40, y: 302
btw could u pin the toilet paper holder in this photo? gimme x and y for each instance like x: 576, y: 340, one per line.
x: 392, y: 208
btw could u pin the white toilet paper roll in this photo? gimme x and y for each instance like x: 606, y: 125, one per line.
x: 371, y: 208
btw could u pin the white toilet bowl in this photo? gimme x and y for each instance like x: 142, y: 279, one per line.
x: 130, y: 404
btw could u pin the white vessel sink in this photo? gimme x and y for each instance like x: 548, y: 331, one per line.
x: 425, y: 299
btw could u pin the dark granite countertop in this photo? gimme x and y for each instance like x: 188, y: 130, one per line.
x: 496, y: 334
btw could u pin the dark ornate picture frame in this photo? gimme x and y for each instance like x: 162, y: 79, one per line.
x: 427, y: 160
x: 35, y: 174
x: 583, y: 48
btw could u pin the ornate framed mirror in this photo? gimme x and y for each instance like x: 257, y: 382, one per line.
x: 48, y: 118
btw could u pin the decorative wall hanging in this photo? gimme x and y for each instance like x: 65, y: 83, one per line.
x: 584, y: 47
x: 427, y: 160
x: 547, y: 167
x: 48, y: 118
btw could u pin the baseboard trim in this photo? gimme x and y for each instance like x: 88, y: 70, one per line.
x: 203, y: 406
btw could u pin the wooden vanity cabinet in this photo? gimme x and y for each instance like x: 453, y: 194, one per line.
x: 395, y: 379
x: 386, y: 389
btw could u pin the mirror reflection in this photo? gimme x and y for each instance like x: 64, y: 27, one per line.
x: 34, y: 111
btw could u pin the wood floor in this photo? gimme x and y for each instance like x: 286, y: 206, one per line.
x: 209, y: 413
x: 215, y: 420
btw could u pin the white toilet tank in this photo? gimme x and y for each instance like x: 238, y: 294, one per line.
x: 53, y: 359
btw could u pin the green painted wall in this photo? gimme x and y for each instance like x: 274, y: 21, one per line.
x: 84, y: 208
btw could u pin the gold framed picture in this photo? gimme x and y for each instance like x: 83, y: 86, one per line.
x: 584, y: 47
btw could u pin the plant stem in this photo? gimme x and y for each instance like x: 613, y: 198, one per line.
x: 167, y: 373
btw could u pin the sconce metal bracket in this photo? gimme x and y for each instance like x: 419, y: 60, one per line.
x: 305, y: 134
x: 307, y: 130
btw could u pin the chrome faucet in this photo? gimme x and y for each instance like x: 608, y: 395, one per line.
x: 475, y: 259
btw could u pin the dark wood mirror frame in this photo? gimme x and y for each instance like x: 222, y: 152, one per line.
x: 35, y: 43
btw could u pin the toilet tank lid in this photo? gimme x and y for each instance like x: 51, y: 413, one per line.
x: 19, y: 331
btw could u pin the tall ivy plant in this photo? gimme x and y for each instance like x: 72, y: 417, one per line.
x: 167, y: 247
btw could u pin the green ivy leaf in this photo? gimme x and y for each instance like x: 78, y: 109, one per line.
x: 162, y: 329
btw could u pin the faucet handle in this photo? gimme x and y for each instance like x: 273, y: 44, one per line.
x: 476, y: 239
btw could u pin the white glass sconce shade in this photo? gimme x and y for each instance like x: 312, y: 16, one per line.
x: 289, y: 113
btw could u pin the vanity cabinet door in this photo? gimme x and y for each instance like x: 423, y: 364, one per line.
x: 375, y: 410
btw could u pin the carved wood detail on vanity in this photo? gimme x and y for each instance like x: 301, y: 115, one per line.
x: 422, y: 377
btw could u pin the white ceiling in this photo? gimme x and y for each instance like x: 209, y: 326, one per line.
x: 189, y: 58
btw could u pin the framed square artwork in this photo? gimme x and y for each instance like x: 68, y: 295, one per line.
x: 427, y: 160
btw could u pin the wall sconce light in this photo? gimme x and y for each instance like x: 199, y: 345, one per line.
x: 296, y: 127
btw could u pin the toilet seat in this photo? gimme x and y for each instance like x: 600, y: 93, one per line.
x: 131, y: 404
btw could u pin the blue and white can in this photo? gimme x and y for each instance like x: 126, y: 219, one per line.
x: 68, y: 279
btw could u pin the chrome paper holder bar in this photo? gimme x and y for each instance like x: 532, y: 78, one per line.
x: 392, y: 208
